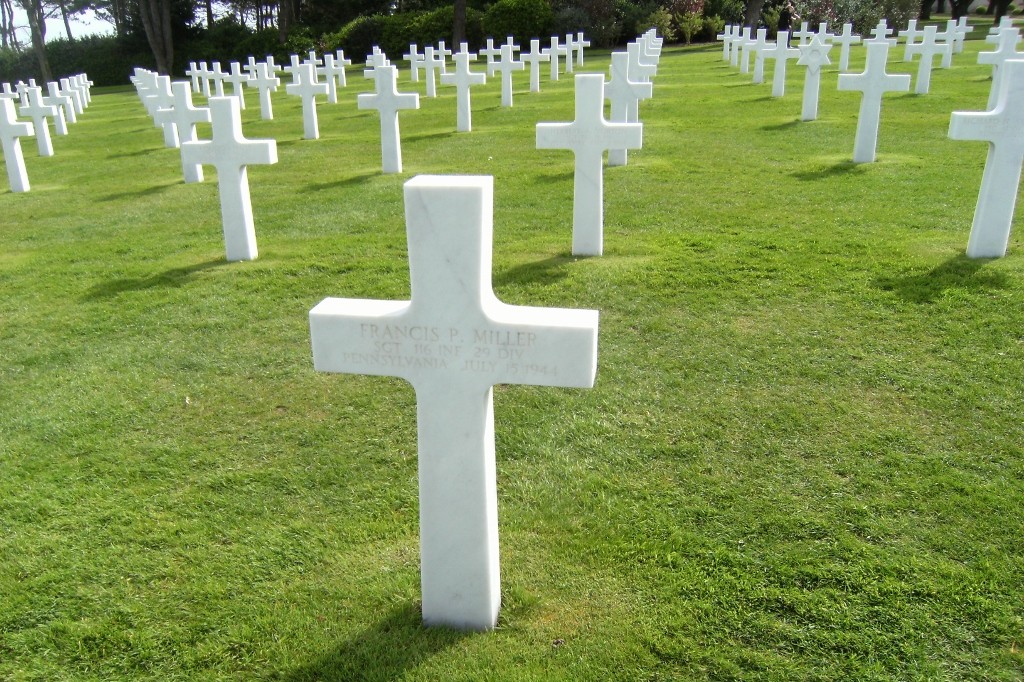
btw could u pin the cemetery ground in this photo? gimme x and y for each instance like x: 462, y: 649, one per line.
x: 801, y: 458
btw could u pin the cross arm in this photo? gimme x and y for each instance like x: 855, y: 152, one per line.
x: 362, y: 336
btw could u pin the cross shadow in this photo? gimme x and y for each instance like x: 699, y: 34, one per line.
x: 782, y: 126
x: 766, y: 98
x: 141, y: 152
x: 175, y: 277
x: 958, y: 272
x: 841, y: 168
x: 387, y: 650
x: 428, y: 136
x: 545, y: 178
x: 547, y: 271
x: 144, y: 192
x: 344, y: 182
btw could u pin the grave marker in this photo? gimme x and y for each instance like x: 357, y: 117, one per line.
x: 927, y: 49
x: 781, y: 54
x: 873, y: 83
x: 457, y: 341
x: 910, y: 36
x: 184, y: 117
x: 506, y: 66
x: 415, y: 60
x: 554, y: 52
x: 844, y: 40
x: 307, y: 87
x: 238, y: 80
x: 760, y: 45
x: 813, y: 55
x: 1007, y: 39
x: 804, y: 35
x: 588, y: 137
x: 388, y: 101
x: 265, y: 82
x: 11, y: 130
x: 581, y: 42
x: 534, y: 57
x: 624, y: 95
x: 37, y: 110
x: 463, y: 78
x: 230, y: 153
x: 490, y: 52
x: 1001, y: 127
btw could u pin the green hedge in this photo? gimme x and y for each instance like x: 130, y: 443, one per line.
x: 522, y: 19
x: 395, y: 33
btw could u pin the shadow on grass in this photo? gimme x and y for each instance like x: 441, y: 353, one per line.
x: 841, y: 168
x: 343, y: 182
x: 959, y: 272
x: 135, y: 194
x: 545, y: 178
x: 547, y: 271
x: 782, y: 126
x: 141, y: 152
x: 396, y: 644
x: 175, y: 277
x: 429, y: 136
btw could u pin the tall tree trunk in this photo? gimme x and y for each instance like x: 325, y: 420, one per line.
x: 459, y: 24
x: 37, y: 26
x: 209, y: 13
x: 926, y: 11
x: 156, y: 20
x: 287, y: 14
x: 64, y: 16
x: 1001, y: 7
x: 753, y: 15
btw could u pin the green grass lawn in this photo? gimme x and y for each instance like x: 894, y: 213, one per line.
x: 801, y: 458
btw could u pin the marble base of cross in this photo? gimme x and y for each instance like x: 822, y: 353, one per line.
x: 453, y: 341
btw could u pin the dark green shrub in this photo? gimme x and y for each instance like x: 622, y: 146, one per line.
x: 630, y: 16
x: 522, y: 19
x: 359, y: 36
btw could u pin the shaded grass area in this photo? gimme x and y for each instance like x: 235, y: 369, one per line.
x: 801, y: 459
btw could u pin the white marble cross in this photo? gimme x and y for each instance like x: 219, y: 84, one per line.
x: 11, y: 129
x: 265, y: 82
x: 250, y: 68
x: 36, y: 109
x: 554, y: 52
x: 581, y: 43
x: 1002, y: 128
x: 506, y: 66
x: 388, y: 101
x: 624, y: 95
x: 67, y: 89
x: 67, y: 109
x: 238, y: 80
x: 431, y: 63
x: 161, y: 97
x: 463, y: 78
x: 760, y: 45
x: 803, y: 35
x: 534, y: 57
x: 442, y: 52
x: 453, y: 341
x: 947, y: 37
x: 910, y: 36
x: 725, y: 37
x: 204, y: 79
x: 962, y: 29
x: 873, y: 83
x: 813, y: 55
x: 734, y: 44
x: 1007, y: 39
x: 230, y: 153
x: 781, y: 54
x: 332, y: 72
x: 307, y: 87
x: 217, y: 78
x: 844, y: 40
x: 340, y: 62
x: 193, y: 72
x: 826, y: 37
x: 882, y: 32
x: 570, y: 47
x: 639, y: 68
x: 415, y: 60
x: 588, y: 137
x: 489, y: 52
x: 746, y: 44
x: 927, y: 49
x: 184, y: 117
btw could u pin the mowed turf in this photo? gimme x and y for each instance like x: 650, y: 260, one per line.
x: 801, y: 458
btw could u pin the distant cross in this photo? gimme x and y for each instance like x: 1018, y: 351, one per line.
x: 460, y: 341
x: 293, y: 67
x: 314, y: 59
x: 826, y: 37
x: 230, y: 153
x: 193, y: 72
x: 217, y: 77
x: 588, y: 137
x: 813, y: 55
x: 873, y: 83
x: 332, y: 73
x: 65, y: 109
x: 570, y: 47
x: 11, y: 129
x: 581, y: 43
x: 947, y: 37
x: 910, y: 36
x: 463, y: 78
x: 489, y: 52
x: 554, y: 52
x: 6, y: 92
x: 184, y: 116
x: 238, y: 80
x: 39, y: 111
x: 1006, y: 49
x: 760, y: 45
x: 340, y: 63
x: 882, y: 32
x: 534, y: 57
x: 506, y: 66
x: 962, y: 29
x: 265, y: 82
x: 927, y: 48
x: 803, y: 35
x: 624, y: 95
x: 745, y: 43
x: 250, y: 67
x: 74, y: 93
x: 1001, y: 127
x: 161, y: 98
x: 431, y: 63
x: 1006, y: 21
x: 307, y: 87
x: 638, y: 68
x: 734, y: 45
x: 781, y: 54
x: 442, y: 53
x: 844, y: 40
x: 415, y: 60
x: 388, y: 101
x: 726, y: 38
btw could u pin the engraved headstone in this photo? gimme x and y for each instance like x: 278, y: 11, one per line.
x: 453, y: 341
x: 588, y: 137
